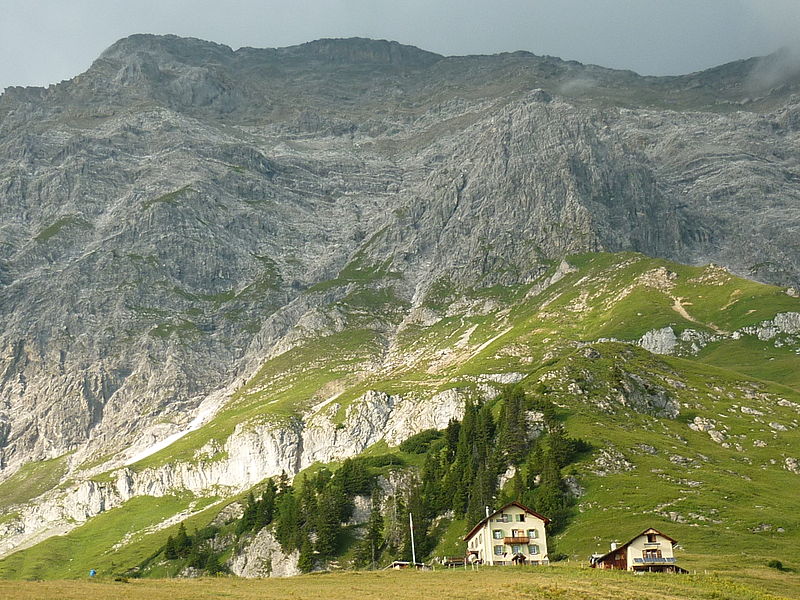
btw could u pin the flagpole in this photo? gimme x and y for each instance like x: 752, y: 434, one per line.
x: 413, y: 550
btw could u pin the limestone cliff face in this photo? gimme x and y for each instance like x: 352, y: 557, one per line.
x: 263, y: 557
x: 248, y: 456
x: 167, y: 214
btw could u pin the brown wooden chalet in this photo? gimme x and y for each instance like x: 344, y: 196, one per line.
x: 651, y: 550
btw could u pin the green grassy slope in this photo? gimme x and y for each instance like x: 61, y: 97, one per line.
x: 729, y: 499
x: 109, y: 543
x: 608, y: 296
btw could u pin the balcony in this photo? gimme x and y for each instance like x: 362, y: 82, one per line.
x: 652, y: 544
x: 516, y: 540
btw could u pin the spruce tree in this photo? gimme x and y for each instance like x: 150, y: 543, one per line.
x: 213, y: 564
x: 483, y: 445
x: 517, y: 487
x: 306, y: 560
x: 421, y: 519
x: 197, y: 558
x: 432, y: 490
x: 266, y: 506
x: 451, y: 437
x: 307, y: 510
x: 183, y: 542
x: 170, y: 552
x: 248, y: 519
x: 513, y: 430
x: 328, y: 518
x: 283, y: 484
x: 560, y: 445
x: 287, y: 528
x: 533, y: 466
x: 551, y: 496
x: 354, y: 478
x: 462, y: 472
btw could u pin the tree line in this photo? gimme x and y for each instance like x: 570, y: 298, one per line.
x: 461, y: 469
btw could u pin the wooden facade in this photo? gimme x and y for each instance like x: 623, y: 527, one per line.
x: 650, y: 551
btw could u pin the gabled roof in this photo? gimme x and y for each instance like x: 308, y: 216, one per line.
x: 483, y: 522
x: 633, y: 539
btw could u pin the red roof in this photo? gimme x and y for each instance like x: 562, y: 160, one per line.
x: 498, y: 511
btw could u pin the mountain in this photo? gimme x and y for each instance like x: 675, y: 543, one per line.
x: 217, y: 265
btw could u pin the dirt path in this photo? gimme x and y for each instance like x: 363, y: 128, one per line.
x: 678, y: 308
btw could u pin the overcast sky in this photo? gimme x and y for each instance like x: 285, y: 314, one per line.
x: 45, y: 41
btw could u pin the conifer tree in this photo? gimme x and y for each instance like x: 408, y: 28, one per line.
x: 266, y: 506
x: 551, y: 498
x: 451, y: 437
x: 461, y: 473
x: 183, y: 542
x: 483, y: 445
x: 328, y: 521
x: 354, y: 478
x: 248, y: 519
x: 307, y: 510
x: 559, y: 445
x: 170, y: 553
x: 514, y: 489
x: 213, y: 565
x: 197, y: 558
x: 421, y: 520
x: 283, y: 484
x: 513, y: 430
x: 306, y: 560
x: 482, y: 493
x: 533, y: 466
x: 432, y: 489
x: 287, y: 529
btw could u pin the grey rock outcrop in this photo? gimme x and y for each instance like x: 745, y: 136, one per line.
x: 647, y: 397
x: 263, y: 556
x: 659, y: 341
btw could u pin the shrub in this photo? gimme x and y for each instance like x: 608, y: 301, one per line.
x: 419, y: 443
x: 382, y: 460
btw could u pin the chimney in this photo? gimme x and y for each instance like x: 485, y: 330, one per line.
x: 613, y: 546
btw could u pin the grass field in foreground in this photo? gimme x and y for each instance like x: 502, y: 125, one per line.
x: 564, y: 582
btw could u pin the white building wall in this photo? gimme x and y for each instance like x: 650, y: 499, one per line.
x: 637, y: 547
x: 507, y: 527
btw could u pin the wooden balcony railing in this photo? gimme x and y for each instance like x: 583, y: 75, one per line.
x: 516, y: 540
